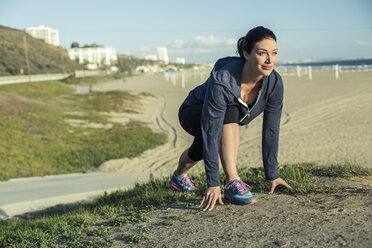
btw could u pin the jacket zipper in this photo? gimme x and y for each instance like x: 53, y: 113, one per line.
x: 245, y: 105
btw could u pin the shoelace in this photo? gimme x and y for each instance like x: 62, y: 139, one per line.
x: 187, y: 181
x: 240, y: 186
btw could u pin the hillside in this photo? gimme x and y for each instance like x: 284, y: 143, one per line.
x: 44, y: 58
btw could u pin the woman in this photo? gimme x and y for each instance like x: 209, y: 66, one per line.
x: 237, y: 91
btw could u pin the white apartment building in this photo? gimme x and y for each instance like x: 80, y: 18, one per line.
x: 181, y: 61
x: 47, y: 34
x: 151, y: 57
x: 94, y: 55
x: 163, y: 54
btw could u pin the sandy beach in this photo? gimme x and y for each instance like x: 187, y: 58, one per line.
x: 324, y: 120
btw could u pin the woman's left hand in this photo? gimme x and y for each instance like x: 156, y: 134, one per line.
x: 278, y: 182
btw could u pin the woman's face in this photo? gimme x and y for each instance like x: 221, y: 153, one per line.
x: 263, y: 56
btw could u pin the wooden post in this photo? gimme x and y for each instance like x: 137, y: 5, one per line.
x: 337, y: 71
x: 310, y: 73
x: 182, y: 80
x: 298, y: 71
x: 174, y: 78
x: 27, y: 60
x: 63, y: 64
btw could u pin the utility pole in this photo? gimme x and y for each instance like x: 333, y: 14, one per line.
x: 27, y: 60
x: 63, y: 64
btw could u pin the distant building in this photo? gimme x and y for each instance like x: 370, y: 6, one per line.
x: 163, y: 55
x: 94, y: 55
x: 180, y: 61
x: 47, y: 34
x: 151, y: 57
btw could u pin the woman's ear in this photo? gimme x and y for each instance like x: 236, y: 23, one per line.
x: 246, y: 55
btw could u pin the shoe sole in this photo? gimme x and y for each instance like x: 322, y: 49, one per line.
x: 238, y: 202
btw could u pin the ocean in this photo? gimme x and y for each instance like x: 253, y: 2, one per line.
x: 345, y: 64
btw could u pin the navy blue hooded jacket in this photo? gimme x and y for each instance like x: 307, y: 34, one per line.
x: 222, y: 89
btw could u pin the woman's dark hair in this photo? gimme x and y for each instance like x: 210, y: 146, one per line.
x: 254, y: 35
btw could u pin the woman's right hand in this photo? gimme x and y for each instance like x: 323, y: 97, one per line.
x: 212, y: 194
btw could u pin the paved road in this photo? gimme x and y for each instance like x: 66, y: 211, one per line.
x: 18, y: 196
x: 31, y: 78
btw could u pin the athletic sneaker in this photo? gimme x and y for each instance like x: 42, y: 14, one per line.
x: 238, y: 192
x: 182, y: 183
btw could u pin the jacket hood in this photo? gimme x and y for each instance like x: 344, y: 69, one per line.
x: 227, y: 72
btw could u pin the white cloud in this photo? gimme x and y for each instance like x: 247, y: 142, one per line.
x: 212, y: 41
x: 199, y: 48
x: 203, y: 48
x: 180, y: 44
x: 202, y: 44
x: 364, y: 43
x: 144, y: 49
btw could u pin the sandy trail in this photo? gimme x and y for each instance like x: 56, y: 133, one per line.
x: 161, y: 112
x: 324, y: 121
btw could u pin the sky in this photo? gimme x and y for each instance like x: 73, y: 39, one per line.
x: 202, y: 31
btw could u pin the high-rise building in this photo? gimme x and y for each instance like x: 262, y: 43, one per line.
x: 163, y: 55
x: 47, y: 34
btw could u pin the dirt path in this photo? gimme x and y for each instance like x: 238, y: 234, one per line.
x: 341, y: 219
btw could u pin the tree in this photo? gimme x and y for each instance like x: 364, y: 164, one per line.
x: 74, y: 44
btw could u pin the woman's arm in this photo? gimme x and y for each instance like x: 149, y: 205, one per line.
x: 270, y: 131
x: 213, y: 113
x: 270, y: 136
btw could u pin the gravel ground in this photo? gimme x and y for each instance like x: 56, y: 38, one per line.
x: 341, y: 219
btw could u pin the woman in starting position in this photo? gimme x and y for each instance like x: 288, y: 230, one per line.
x: 237, y: 91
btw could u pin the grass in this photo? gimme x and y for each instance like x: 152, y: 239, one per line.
x: 91, y: 80
x: 133, y: 238
x: 91, y: 224
x: 35, y: 139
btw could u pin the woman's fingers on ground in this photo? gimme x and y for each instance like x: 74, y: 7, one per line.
x: 220, y: 200
x: 207, y: 201
x: 287, y: 185
x: 201, y: 204
x: 273, y: 186
x: 211, y: 203
x: 210, y: 199
x: 279, y: 182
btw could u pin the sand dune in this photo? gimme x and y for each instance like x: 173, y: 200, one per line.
x: 324, y: 120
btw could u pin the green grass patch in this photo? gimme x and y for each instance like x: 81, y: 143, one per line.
x: 91, y: 80
x: 345, y: 170
x: 110, y: 101
x: 90, y: 224
x: 35, y: 139
x: 133, y: 217
x: 134, y: 238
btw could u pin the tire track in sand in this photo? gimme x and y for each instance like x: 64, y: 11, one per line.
x: 161, y: 160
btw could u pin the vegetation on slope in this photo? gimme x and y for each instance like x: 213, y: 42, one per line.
x: 43, y: 57
x: 36, y: 140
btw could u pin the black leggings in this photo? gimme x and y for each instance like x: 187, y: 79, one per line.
x: 190, y: 120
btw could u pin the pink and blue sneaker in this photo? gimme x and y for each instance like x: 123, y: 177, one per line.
x: 183, y: 183
x: 238, y: 192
